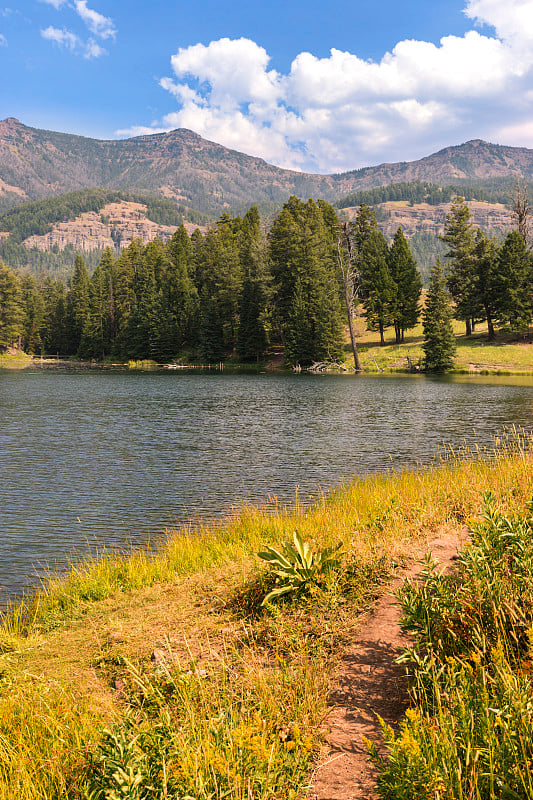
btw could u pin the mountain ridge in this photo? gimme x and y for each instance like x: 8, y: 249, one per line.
x: 180, y: 164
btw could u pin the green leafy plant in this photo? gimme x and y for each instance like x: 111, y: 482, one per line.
x: 298, y: 568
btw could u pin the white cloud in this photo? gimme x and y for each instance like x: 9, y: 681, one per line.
x: 55, y: 3
x: 93, y: 50
x: 62, y: 37
x: 96, y: 22
x: 3, y: 40
x: 342, y: 111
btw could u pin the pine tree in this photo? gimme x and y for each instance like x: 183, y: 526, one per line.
x: 459, y: 236
x: 488, y: 284
x: 78, y: 302
x: 378, y: 288
x: 406, y: 277
x: 11, y: 312
x: 32, y: 322
x: 439, y: 340
x: 252, y: 336
x: 303, y: 253
x: 515, y: 276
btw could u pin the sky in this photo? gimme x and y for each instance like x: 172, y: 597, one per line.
x: 315, y: 87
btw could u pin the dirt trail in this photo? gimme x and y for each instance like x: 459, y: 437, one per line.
x: 369, y: 682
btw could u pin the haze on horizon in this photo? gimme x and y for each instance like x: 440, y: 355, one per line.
x: 301, y: 88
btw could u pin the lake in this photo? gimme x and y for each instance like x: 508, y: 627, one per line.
x: 93, y: 459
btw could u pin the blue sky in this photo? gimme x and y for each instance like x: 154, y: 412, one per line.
x: 321, y: 88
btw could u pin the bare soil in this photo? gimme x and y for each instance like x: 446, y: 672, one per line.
x: 369, y: 683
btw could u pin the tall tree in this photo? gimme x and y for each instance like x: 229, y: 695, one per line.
x: 252, y: 334
x: 459, y: 236
x: 11, y: 313
x: 377, y: 285
x: 515, y: 274
x: 33, y: 308
x: 488, y: 284
x: 439, y: 341
x: 78, y: 302
x: 303, y: 253
x: 406, y: 276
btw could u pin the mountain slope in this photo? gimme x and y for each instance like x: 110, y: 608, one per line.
x: 36, y: 164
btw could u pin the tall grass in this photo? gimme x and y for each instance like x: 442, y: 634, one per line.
x: 243, y: 720
x: 470, y: 732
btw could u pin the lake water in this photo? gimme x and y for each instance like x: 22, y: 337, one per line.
x: 91, y: 459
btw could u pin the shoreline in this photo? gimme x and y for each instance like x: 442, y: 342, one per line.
x: 133, y: 640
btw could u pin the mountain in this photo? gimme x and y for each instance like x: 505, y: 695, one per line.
x: 208, y: 177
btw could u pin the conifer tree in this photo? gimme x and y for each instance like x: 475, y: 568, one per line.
x: 406, y: 277
x: 252, y: 336
x: 515, y: 276
x: 55, y: 328
x: 378, y: 289
x: 303, y: 253
x: 11, y: 312
x: 33, y: 315
x: 78, y: 303
x: 489, y: 286
x: 439, y: 341
x: 459, y: 236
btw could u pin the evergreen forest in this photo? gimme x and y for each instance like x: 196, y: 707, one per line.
x: 242, y: 292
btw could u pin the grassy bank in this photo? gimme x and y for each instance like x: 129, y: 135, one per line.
x: 160, y: 675
x: 475, y: 354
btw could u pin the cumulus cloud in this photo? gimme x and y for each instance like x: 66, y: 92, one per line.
x: 96, y: 22
x: 343, y: 111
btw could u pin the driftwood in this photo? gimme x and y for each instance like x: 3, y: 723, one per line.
x: 327, y: 366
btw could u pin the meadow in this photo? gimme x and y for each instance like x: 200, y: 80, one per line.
x: 161, y: 674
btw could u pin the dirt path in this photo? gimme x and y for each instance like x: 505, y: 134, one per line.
x: 368, y: 683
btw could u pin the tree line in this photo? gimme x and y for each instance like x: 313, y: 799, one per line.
x: 237, y: 290
x: 427, y: 192
x: 232, y: 290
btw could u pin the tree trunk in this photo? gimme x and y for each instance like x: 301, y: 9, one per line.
x: 490, y: 324
x: 382, y: 338
x: 397, y: 332
x: 468, y: 327
x: 348, y: 293
x: 356, y: 361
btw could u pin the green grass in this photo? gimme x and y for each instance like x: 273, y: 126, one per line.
x: 469, y: 733
x: 474, y: 354
x: 15, y: 360
x: 232, y: 705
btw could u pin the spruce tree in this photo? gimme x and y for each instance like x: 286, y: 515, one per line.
x: 303, y: 254
x: 33, y: 315
x: 439, y: 341
x: 406, y: 276
x: 459, y: 236
x: 515, y: 277
x: 378, y: 288
x: 252, y: 336
x: 78, y: 302
x: 11, y: 312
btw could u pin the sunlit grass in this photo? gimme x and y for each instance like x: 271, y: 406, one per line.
x: 234, y: 707
x: 474, y: 354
